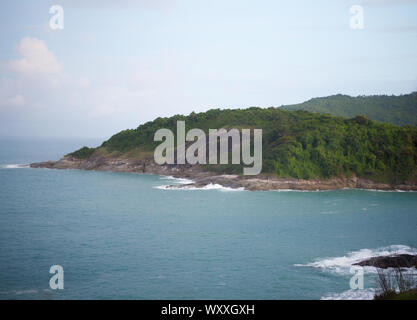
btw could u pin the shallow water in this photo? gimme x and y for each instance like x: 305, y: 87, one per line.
x: 121, y: 235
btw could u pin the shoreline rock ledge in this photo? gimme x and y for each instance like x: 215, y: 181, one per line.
x: 202, y: 178
x: 394, y: 261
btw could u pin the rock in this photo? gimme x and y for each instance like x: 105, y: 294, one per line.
x: 394, y: 261
x: 46, y: 164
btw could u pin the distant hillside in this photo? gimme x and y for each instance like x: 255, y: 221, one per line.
x: 399, y: 110
x: 298, y: 144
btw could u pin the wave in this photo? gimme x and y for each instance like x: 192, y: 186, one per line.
x: 177, y: 180
x: 365, y: 294
x: 210, y: 186
x: 14, y: 166
x: 343, y: 264
x: 215, y: 186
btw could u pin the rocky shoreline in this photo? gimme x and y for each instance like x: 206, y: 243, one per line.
x: 394, y: 261
x: 203, y: 178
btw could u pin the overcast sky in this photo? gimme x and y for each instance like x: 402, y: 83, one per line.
x: 117, y: 64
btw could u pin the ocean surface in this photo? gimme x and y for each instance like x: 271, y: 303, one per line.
x: 123, y: 236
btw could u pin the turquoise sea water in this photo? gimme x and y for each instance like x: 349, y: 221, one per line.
x: 122, y: 236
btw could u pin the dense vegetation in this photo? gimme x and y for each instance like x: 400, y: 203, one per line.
x: 82, y: 153
x: 399, y: 110
x: 297, y: 144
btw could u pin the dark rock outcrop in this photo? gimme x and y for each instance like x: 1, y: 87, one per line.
x: 395, y: 261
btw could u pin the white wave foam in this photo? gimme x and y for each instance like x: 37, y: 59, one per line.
x: 177, y: 180
x: 365, y: 294
x: 342, y: 264
x: 14, y: 166
x: 163, y: 187
x: 210, y: 186
x: 166, y: 178
x: 214, y: 186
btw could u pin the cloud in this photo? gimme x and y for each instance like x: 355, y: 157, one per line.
x: 17, y: 101
x: 37, y: 58
x: 53, y: 100
x: 37, y: 79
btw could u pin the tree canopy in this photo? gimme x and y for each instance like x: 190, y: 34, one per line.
x: 400, y: 110
x: 297, y: 144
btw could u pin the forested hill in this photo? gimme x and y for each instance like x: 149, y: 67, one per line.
x: 400, y: 110
x: 297, y: 144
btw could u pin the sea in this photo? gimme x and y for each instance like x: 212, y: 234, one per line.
x: 126, y: 236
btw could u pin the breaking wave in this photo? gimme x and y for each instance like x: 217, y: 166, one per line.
x: 177, y: 180
x: 343, y: 264
x: 214, y: 186
x: 210, y: 186
x: 14, y: 166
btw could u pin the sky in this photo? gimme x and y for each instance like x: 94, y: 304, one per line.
x: 118, y: 64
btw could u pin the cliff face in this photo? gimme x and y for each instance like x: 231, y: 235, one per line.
x: 203, y: 178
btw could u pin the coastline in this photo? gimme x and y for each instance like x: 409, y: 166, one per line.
x: 203, y: 178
